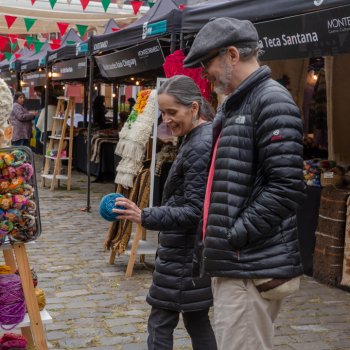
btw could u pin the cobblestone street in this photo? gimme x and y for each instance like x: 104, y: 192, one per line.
x: 94, y: 307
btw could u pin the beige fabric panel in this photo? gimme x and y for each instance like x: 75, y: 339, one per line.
x: 296, y: 70
x: 338, y: 107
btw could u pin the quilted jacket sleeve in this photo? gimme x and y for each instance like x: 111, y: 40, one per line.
x: 186, y: 216
x: 279, y: 187
x: 21, y: 114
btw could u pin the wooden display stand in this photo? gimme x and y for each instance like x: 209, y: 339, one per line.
x: 58, y: 140
x: 32, y: 326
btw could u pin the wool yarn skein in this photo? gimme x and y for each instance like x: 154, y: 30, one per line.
x: 107, y: 204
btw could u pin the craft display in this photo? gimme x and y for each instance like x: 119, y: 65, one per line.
x: 107, y: 204
x: 134, y: 136
x: 19, y: 212
x: 12, y: 303
x: 6, y: 102
x: 322, y: 172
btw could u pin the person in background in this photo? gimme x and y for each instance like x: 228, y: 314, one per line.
x: 132, y: 103
x: 99, y: 111
x: 173, y: 290
x: 255, y: 185
x: 21, y: 121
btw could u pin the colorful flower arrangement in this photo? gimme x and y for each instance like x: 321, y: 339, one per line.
x: 141, y: 102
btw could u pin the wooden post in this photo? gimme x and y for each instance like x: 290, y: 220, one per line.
x: 10, y: 259
x: 29, y: 295
x: 135, y: 244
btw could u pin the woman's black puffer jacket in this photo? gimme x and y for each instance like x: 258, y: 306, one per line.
x: 173, y: 286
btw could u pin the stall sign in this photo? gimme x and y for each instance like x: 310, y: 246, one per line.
x: 34, y: 78
x: 136, y: 59
x: 322, y: 33
x: 81, y: 48
x: 69, y: 70
x: 150, y: 29
x: 9, y: 78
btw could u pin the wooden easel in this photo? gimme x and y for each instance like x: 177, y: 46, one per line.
x: 16, y: 256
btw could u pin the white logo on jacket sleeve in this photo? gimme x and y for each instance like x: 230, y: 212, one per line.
x: 240, y: 119
x: 276, y: 132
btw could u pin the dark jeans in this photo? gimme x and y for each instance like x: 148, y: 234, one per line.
x: 21, y: 142
x: 162, y: 322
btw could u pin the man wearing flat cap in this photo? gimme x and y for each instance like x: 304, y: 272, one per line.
x: 254, y: 187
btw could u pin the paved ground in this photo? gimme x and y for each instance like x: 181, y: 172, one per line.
x: 95, y: 307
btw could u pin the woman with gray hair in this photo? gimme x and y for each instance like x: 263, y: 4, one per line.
x: 174, y: 290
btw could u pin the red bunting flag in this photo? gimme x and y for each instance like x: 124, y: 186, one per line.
x: 55, y: 46
x: 31, y: 47
x: 136, y: 6
x: 17, y: 55
x: 3, y: 42
x: 10, y: 20
x: 115, y: 29
x: 2, y: 56
x: 181, y: 7
x: 62, y: 27
x: 33, y: 2
x: 13, y: 38
x: 84, y: 3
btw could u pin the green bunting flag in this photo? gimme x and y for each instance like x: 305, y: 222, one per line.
x: 29, y: 40
x: 8, y: 55
x: 105, y: 4
x: 53, y: 3
x: 81, y: 29
x: 29, y: 22
x: 70, y: 42
x: 150, y: 4
x: 13, y: 46
x: 38, y: 45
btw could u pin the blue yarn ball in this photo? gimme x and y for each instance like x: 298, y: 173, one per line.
x: 107, y: 204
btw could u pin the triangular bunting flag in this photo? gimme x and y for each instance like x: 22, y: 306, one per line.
x: 55, y: 46
x: 2, y: 56
x: 33, y: 2
x: 181, y: 7
x: 10, y: 20
x: 8, y: 55
x: 13, y: 46
x: 150, y: 4
x: 3, y: 42
x: 56, y: 41
x: 21, y: 43
x: 81, y: 29
x: 105, y: 4
x: 84, y: 3
x: 29, y: 40
x: 31, y: 47
x: 136, y: 6
x: 29, y: 22
x: 115, y: 29
x: 62, y: 27
x: 53, y: 3
x: 70, y: 42
x: 17, y: 55
x: 38, y: 45
x: 13, y: 38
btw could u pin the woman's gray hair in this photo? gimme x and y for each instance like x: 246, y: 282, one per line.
x: 185, y: 91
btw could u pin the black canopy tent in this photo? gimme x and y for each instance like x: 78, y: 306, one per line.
x: 289, y: 29
x: 195, y: 17
x: 162, y: 20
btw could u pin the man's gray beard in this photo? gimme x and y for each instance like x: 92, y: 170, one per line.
x: 222, y: 88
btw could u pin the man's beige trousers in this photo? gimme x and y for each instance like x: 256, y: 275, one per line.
x: 243, y: 320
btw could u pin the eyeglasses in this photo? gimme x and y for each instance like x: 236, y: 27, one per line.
x: 205, y: 61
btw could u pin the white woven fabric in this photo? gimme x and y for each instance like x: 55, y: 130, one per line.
x: 6, y: 102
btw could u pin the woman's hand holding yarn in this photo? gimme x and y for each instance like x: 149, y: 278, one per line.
x: 131, y: 212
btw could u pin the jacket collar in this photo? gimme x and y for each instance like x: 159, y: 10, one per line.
x: 261, y: 74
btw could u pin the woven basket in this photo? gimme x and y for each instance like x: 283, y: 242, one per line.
x: 330, y: 178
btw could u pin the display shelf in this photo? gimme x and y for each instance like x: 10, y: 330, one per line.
x: 58, y: 177
x: 144, y: 248
x: 44, y: 315
x: 58, y: 138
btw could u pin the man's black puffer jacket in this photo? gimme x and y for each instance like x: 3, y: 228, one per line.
x: 173, y: 286
x: 258, y: 183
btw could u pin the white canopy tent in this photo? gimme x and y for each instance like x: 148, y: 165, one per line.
x: 64, y: 11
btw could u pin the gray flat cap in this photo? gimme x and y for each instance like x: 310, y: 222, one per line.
x: 220, y: 33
